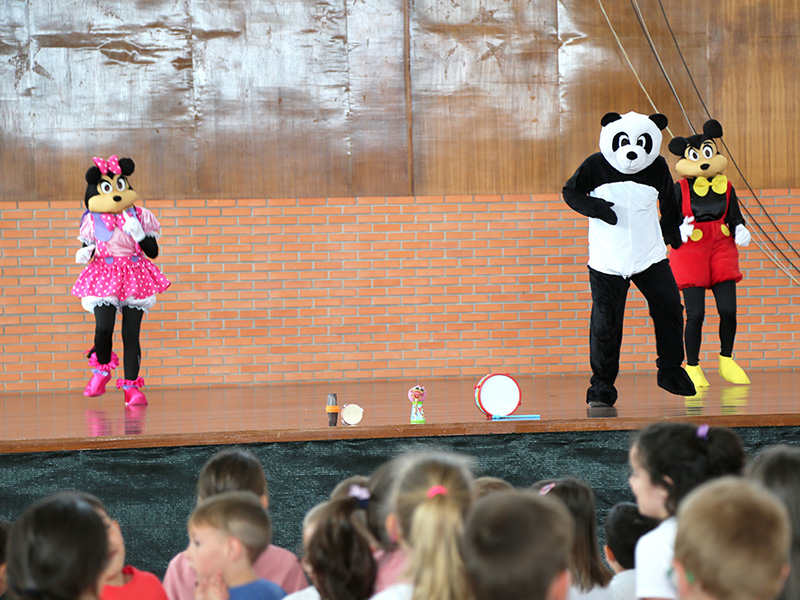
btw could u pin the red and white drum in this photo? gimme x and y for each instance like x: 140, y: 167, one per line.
x: 498, y: 394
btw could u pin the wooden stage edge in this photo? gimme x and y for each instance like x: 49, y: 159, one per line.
x: 67, y: 421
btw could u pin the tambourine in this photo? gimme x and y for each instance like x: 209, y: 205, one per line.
x: 498, y: 394
x: 352, y: 414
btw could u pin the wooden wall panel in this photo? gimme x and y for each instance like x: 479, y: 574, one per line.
x: 256, y: 98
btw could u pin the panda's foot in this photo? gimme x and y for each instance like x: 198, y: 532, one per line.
x: 601, y: 394
x: 731, y: 372
x: 676, y: 381
x: 696, y: 375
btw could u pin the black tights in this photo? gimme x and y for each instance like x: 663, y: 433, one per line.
x: 105, y: 317
x: 695, y: 299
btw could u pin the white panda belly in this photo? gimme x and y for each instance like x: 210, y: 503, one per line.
x: 635, y: 242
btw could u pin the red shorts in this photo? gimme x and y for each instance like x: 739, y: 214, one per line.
x: 711, y: 259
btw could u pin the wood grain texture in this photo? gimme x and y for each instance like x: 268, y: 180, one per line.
x: 254, y: 99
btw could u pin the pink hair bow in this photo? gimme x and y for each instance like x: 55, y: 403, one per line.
x: 108, y: 166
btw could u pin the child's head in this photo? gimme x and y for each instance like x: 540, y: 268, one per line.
x: 338, y: 552
x: 732, y: 542
x: 669, y: 460
x: 586, y: 564
x: 344, y: 487
x: 57, y: 549
x: 228, y: 528
x: 380, y: 486
x: 232, y: 470
x: 624, y: 526
x: 431, y: 500
x: 516, y: 547
x: 483, y: 486
x: 778, y: 469
x: 116, y: 544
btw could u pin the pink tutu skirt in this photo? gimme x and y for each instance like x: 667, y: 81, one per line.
x: 121, y: 278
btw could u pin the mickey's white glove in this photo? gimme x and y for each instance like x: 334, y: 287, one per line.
x: 133, y: 228
x: 742, y: 236
x: 84, y: 255
x: 686, y: 228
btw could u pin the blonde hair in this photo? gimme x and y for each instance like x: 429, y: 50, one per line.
x: 733, y: 539
x: 239, y: 515
x: 432, y: 498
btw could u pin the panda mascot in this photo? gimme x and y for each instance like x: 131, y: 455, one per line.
x: 621, y: 189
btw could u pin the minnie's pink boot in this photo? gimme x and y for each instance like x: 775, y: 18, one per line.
x: 101, y: 375
x: 133, y: 395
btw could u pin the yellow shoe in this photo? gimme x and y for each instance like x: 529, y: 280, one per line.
x: 696, y: 375
x: 731, y: 372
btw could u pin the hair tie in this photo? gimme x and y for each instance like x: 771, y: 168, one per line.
x: 546, y: 488
x: 361, y: 494
x: 702, y: 432
x: 437, y: 490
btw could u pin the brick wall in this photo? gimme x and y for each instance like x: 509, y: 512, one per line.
x: 270, y: 290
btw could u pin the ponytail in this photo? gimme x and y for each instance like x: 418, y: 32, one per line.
x: 432, y: 500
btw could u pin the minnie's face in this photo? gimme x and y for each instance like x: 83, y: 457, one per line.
x: 114, y: 195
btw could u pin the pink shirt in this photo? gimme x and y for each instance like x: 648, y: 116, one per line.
x: 141, y: 586
x: 391, y: 568
x: 275, y: 564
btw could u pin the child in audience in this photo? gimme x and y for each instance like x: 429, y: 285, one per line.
x: 227, y: 534
x: 310, y: 522
x: 235, y: 469
x: 343, y: 488
x: 433, y: 495
x: 624, y: 526
x: 4, y: 525
x: 483, y: 486
x: 517, y: 547
x: 778, y: 469
x: 338, y: 553
x: 391, y: 559
x: 121, y: 582
x: 732, y: 542
x: 57, y: 549
x: 669, y: 460
x: 590, y: 576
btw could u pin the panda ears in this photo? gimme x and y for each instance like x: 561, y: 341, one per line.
x: 660, y: 120
x: 712, y: 129
x: 678, y: 146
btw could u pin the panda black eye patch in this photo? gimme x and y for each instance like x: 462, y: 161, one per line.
x: 645, y: 141
x: 621, y: 139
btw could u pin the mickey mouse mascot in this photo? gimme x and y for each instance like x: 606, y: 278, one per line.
x: 708, y: 259
x: 118, y: 241
x: 620, y: 189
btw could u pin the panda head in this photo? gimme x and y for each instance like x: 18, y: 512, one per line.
x: 631, y: 142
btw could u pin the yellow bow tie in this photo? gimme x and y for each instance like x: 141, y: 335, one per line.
x: 719, y: 184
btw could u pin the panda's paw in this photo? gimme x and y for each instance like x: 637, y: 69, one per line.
x: 607, y: 214
x: 676, y: 381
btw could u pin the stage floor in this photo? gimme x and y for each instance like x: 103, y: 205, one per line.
x: 290, y: 412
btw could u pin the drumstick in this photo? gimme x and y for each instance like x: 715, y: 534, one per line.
x: 516, y: 417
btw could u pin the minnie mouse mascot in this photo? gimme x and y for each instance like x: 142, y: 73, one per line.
x: 118, y: 241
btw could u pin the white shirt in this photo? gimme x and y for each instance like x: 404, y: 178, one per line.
x: 310, y: 593
x: 596, y: 593
x: 654, y: 552
x: 623, y: 585
x: 401, y: 591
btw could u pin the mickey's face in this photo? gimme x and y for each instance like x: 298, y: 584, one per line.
x: 702, y: 161
x: 114, y: 195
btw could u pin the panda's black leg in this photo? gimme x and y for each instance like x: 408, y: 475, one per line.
x: 609, y: 293
x: 658, y: 286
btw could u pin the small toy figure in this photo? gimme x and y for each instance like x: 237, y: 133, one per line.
x: 417, y: 396
x: 713, y: 226
x: 119, y: 239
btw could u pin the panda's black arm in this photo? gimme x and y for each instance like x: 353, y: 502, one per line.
x: 589, y: 206
x: 149, y: 246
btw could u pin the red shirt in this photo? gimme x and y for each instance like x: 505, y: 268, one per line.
x: 141, y: 586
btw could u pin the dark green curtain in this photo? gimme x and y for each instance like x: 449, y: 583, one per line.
x: 151, y: 491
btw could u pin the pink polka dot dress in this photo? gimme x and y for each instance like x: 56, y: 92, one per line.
x: 119, y: 273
